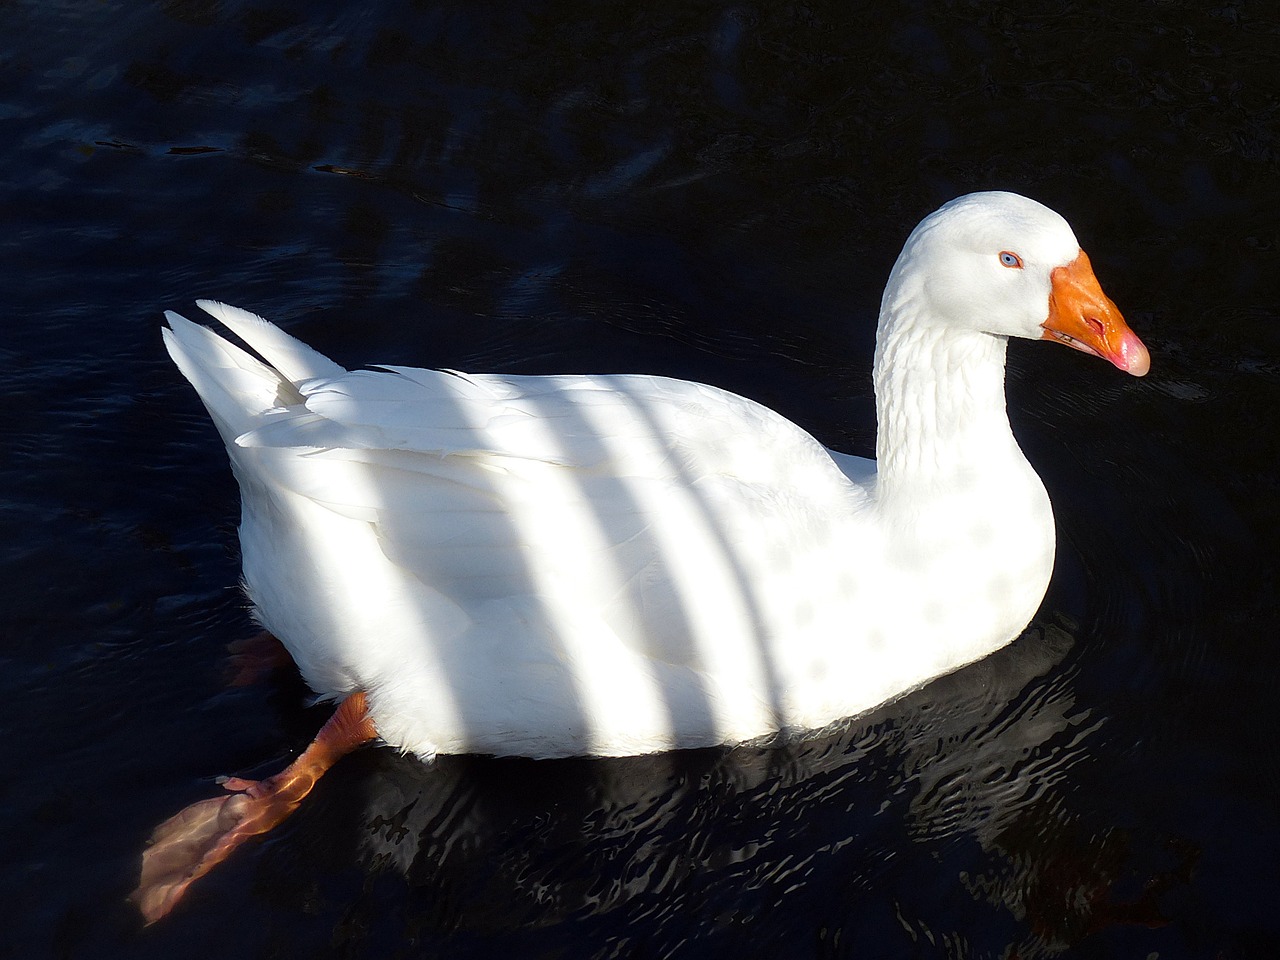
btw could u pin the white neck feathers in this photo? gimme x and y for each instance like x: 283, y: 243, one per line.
x: 940, y: 402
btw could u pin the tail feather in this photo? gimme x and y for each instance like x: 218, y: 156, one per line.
x: 294, y: 359
x: 237, y: 389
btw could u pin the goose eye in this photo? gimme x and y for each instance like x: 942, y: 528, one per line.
x: 1010, y: 259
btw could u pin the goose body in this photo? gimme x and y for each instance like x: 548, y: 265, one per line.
x: 613, y: 565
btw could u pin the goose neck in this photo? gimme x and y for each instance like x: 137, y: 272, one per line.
x: 940, y: 403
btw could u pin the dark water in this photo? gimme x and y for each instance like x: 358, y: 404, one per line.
x: 706, y: 192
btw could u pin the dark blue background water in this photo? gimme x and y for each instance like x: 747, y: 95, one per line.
x: 699, y: 191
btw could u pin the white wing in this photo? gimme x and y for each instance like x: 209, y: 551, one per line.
x: 636, y: 545
x: 610, y: 488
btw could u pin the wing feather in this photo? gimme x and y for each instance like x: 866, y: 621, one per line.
x: 488, y: 487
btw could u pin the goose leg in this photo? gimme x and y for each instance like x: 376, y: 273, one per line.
x: 192, y: 842
x: 254, y: 658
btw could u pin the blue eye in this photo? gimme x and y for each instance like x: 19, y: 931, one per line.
x: 1010, y: 259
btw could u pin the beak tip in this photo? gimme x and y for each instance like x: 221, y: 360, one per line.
x: 1134, y: 358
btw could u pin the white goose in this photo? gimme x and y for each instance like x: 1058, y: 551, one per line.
x: 614, y: 565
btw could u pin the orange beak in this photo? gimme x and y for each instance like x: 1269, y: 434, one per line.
x: 1084, y: 318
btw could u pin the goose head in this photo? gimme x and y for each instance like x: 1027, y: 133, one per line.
x: 1002, y: 264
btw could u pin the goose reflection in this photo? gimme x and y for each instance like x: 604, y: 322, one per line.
x: 960, y: 780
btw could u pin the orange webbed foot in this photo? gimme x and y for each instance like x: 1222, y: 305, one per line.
x: 190, y: 844
x: 196, y: 839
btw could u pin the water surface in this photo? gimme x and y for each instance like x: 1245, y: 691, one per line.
x: 714, y: 193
